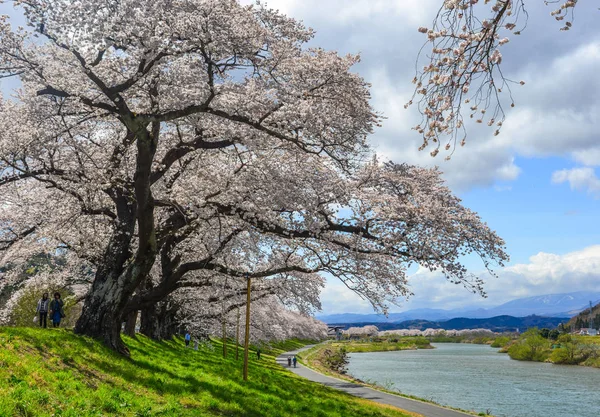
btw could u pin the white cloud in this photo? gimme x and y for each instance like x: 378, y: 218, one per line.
x: 344, y: 11
x: 337, y: 298
x: 545, y: 273
x: 482, y: 162
x: 580, y: 179
x: 557, y: 112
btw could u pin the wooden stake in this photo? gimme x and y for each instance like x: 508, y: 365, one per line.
x: 247, y: 335
x: 237, y: 336
x: 223, y: 321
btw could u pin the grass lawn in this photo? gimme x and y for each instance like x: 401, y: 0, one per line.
x: 50, y: 372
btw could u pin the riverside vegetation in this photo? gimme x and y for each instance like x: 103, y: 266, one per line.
x: 539, y: 345
x: 565, y: 349
x: 47, y: 373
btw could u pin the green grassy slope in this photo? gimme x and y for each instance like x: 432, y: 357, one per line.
x: 55, y: 373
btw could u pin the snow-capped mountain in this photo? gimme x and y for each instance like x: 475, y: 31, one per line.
x: 551, y: 305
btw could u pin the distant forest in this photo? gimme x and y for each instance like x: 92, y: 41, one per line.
x: 496, y: 324
x: 582, y: 320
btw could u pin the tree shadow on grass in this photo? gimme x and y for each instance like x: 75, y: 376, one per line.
x: 285, y: 397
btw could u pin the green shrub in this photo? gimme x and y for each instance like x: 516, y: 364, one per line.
x: 531, y: 346
x: 335, y: 358
x: 500, y: 342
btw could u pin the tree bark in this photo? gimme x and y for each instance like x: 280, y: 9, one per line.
x: 118, y: 276
x: 102, y: 314
x: 247, y: 333
x: 131, y: 323
x: 159, y: 322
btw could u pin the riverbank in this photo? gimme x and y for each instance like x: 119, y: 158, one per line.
x: 319, y: 357
x: 360, y: 390
x: 50, y: 372
x: 386, y: 345
x: 331, y: 358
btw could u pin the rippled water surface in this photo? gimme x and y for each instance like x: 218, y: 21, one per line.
x: 476, y: 377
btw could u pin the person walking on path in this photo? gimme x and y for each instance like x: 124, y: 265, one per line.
x: 56, y: 310
x: 295, y: 361
x: 289, y: 361
x: 42, y: 309
x: 257, y: 353
x: 188, y: 337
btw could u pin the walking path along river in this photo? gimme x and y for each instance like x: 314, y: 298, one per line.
x: 425, y: 409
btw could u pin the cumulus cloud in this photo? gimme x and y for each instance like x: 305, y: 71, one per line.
x: 545, y: 273
x: 337, y: 298
x: 581, y: 179
x: 556, y: 112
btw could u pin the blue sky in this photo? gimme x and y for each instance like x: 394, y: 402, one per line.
x: 534, y: 215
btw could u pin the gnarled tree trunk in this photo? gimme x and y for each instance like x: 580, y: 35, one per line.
x: 159, y: 322
x: 102, y: 314
x: 118, y: 277
x: 130, y: 323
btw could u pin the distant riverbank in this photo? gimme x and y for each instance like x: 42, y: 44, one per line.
x: 567, y: 349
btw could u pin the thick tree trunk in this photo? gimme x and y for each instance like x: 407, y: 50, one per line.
x: 159, y: 322
x: 130, y: 323
x: 102, y: 315
x: 118, y: 277
x: 102, y: 312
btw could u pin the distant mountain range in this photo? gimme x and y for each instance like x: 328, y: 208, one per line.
x: 496, y: 324
x: 551, y: 305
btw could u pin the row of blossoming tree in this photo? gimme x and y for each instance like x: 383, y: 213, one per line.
x: 167, y: 147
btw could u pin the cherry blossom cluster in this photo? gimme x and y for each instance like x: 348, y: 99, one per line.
x: 364, y: 331
x: 566, y: 8
x: 436, y: 332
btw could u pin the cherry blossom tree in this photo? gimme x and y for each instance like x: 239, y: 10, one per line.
x: 461, y: 75
x: 206, y: 299
x: 270, y: 320
x: 362, y: 332
x: 165, y: 143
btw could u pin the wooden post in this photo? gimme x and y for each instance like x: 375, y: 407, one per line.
x: 223, y: 321
x: 237, y: 336
x: 247, y: 335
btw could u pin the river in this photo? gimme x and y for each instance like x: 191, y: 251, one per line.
x: 477, y: 377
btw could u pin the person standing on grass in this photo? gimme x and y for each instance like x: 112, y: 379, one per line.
x: 258, y: 353
x: 42, y: 309
x: 56, y: 310
x: 188, y: 337
x: 294, y: 360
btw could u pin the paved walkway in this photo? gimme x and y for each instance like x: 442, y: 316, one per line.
x: 426, y: 409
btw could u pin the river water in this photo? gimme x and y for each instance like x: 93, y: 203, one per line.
x: 477, y: 377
